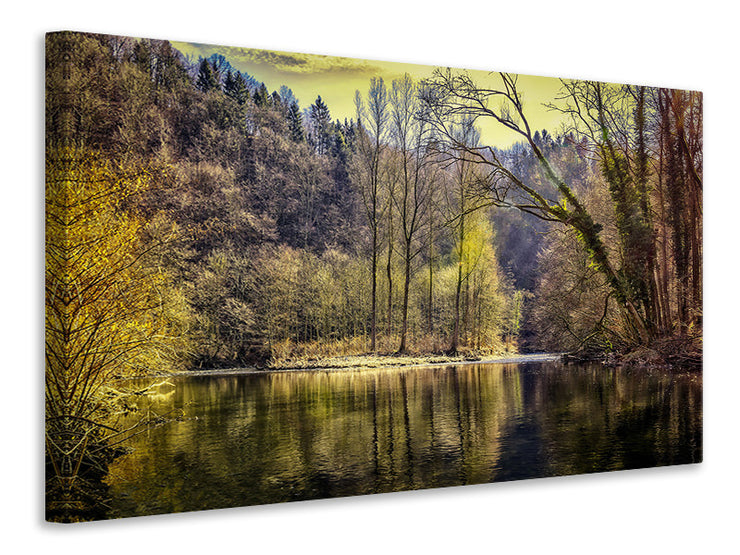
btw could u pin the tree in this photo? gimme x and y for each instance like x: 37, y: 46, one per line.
x: 320, y: 126
x: 486, y: 314
x: 295, y: 123
x: 410, y: 134
x: 207, y: 79
x: 373, y: 119
x: 680, y: 184
x: 287, y: 96
x: 461, y: 202
x: 235, y: 87
x: 109, y: 313
x: 260, y: 96
x: 434, y: 230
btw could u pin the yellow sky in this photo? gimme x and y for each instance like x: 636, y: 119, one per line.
x: 337, y: 78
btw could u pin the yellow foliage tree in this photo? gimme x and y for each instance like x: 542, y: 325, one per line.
x: 107, y: 313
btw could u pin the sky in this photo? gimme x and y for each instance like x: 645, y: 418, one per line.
x: 336, y: 79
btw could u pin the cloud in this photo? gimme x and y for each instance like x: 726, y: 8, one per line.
x: 288, y: 62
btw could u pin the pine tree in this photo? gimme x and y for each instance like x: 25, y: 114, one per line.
x: 260, y: 95
x: 287, y: 96
x: 321, y: 126
x: 295, y: 123
x: 275, y: 100
x: 235, y: 87
x: 206, y: 80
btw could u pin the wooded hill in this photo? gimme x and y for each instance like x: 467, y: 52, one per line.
x: 257, y: 229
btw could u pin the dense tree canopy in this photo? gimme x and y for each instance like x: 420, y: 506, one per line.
x: 637, y: 141
x: 248, y: 172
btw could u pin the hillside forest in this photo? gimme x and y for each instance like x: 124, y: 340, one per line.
x: 197, y: 218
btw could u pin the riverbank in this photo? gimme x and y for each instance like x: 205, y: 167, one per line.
x: 666, y: 353
x: 360, y: 362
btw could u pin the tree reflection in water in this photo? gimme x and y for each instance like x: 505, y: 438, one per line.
x: 268, y: 438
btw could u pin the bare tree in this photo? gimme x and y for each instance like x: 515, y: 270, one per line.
x: 373, y: 118
x: 410, y: 134
x: 460, y: 201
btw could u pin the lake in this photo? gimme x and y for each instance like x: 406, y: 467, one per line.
x: 283, y: 436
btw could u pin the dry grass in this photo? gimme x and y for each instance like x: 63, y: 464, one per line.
x: 353, y: 352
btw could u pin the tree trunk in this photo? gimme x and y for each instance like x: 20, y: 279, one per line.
x: 455, y: 344
x: 456, y: 329
x: 405, y: 310
x: 373, y: 298
x: 389, y: 275
x: 430, y: 299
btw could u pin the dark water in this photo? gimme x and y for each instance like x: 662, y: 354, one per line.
x: 267, y: 438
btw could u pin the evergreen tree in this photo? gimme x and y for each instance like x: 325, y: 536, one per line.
x: 228, y: 82
x: 276, y: 100
x: 295, y: 123
x: 260, y: 95
x: 321, y: 126
x: 287, y: 96
x: 207, y: 79
x: 219, y: 64
x: 235, y: 87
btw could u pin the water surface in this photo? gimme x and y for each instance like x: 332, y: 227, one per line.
x: 273, y: 437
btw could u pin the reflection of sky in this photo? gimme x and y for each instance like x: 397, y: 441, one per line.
x: 336, y: 80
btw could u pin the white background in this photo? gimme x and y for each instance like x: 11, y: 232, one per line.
x: 677, y: 44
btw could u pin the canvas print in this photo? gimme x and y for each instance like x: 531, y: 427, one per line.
x: 275, y: 276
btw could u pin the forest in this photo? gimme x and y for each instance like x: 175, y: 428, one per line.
x: 197, y: 219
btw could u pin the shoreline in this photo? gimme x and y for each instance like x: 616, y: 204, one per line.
x: 368, y: 362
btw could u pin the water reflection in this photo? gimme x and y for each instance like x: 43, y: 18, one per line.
x: 267, y: 438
